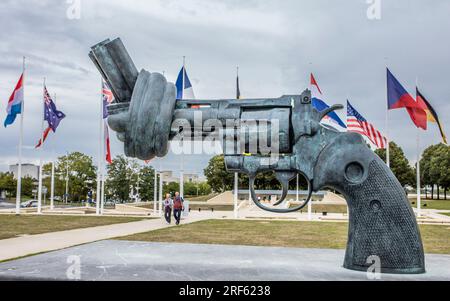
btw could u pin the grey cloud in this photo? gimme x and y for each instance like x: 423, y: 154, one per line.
x: 275, y: 43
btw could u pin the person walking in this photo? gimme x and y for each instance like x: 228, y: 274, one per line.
x: 178, y: 207
x: 168, y: 205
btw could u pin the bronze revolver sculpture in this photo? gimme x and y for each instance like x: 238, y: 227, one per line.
x: 382, y: 222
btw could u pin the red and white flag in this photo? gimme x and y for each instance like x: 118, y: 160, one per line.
x: 108, y: 98
x: 45, y: 135
x: 107, y: 144
x: 315, y: 84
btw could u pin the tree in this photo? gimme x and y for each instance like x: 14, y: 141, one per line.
x: 60, y: 182
x: 190, y: 188
x: 8, y: 184
x: 444, y: 169
x: 124, y: 176
x: 82, y: 174
x: 118, y: 182
x: 434, y: 165
x: 147, y: 183
x: 171, y: 188
x: 399, y: 164
x: 218, y: 178
x: 204, y: 189
x: 28, y: 184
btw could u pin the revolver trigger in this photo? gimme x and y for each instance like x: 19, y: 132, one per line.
x: 284, y: 178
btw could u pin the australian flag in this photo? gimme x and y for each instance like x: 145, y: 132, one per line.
x: 51, y: 115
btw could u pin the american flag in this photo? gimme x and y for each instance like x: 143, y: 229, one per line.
x: 356, y: 123
x: 108, y: 98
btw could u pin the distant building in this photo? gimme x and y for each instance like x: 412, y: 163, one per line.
x: 191, y: 178
x: 168, y: 177
x: 28, y: 170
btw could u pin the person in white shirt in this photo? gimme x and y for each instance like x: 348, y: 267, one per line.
x: 168, y: 205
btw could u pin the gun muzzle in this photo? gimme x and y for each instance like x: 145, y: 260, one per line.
x: 117, y: 68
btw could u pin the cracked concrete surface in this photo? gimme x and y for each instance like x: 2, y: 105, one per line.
x: 125, y: 260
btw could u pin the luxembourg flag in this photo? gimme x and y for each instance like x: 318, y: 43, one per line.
x: 15, y: 103
x: 320, y: 105
x: 184, y: 86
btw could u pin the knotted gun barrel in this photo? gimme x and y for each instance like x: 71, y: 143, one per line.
x: 283, y: 135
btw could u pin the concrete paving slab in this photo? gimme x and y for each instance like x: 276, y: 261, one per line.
x: 125, y: 261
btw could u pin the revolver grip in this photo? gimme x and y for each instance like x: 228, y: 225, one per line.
x: 382, y: 222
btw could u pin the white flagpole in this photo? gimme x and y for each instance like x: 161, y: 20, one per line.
x: 310, y: 210
x: 103, y: 171
x: 388, y: 139
x: 182, y: 154
x: 52, y: 183
x: 155, y: 192
x: 160, y: 192
x: 419, y: 196
x: 52, y: 188
x: 66, y: 198
x: 39, y: 210
x: 102, y: 207
x: 19, y: 167
x: 310, y: 201
x: 100, y: 152
x: 297, y: 197
x: 388, y: 150
x: 236, y: 191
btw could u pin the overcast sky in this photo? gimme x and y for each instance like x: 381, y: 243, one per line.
x: 275, y: 43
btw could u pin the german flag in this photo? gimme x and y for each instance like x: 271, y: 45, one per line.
x: 432, y: 116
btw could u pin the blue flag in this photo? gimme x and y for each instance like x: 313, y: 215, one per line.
x: 184, y: 91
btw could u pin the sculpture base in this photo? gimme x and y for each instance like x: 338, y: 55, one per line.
x: 125, y: 260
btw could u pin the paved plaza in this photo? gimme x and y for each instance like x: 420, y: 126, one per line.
x: 124, y: 260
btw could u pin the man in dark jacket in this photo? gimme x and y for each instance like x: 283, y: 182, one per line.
x: 178, y: 207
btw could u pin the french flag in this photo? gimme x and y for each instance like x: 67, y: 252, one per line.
x: 15, y: 103
x: 184, y: 86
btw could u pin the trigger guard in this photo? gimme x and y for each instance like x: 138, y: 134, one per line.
x: 252, y: 179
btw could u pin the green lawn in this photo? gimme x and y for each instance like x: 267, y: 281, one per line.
x: 12, y: 226
x: 278, y: 233
x: 438, y: 205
